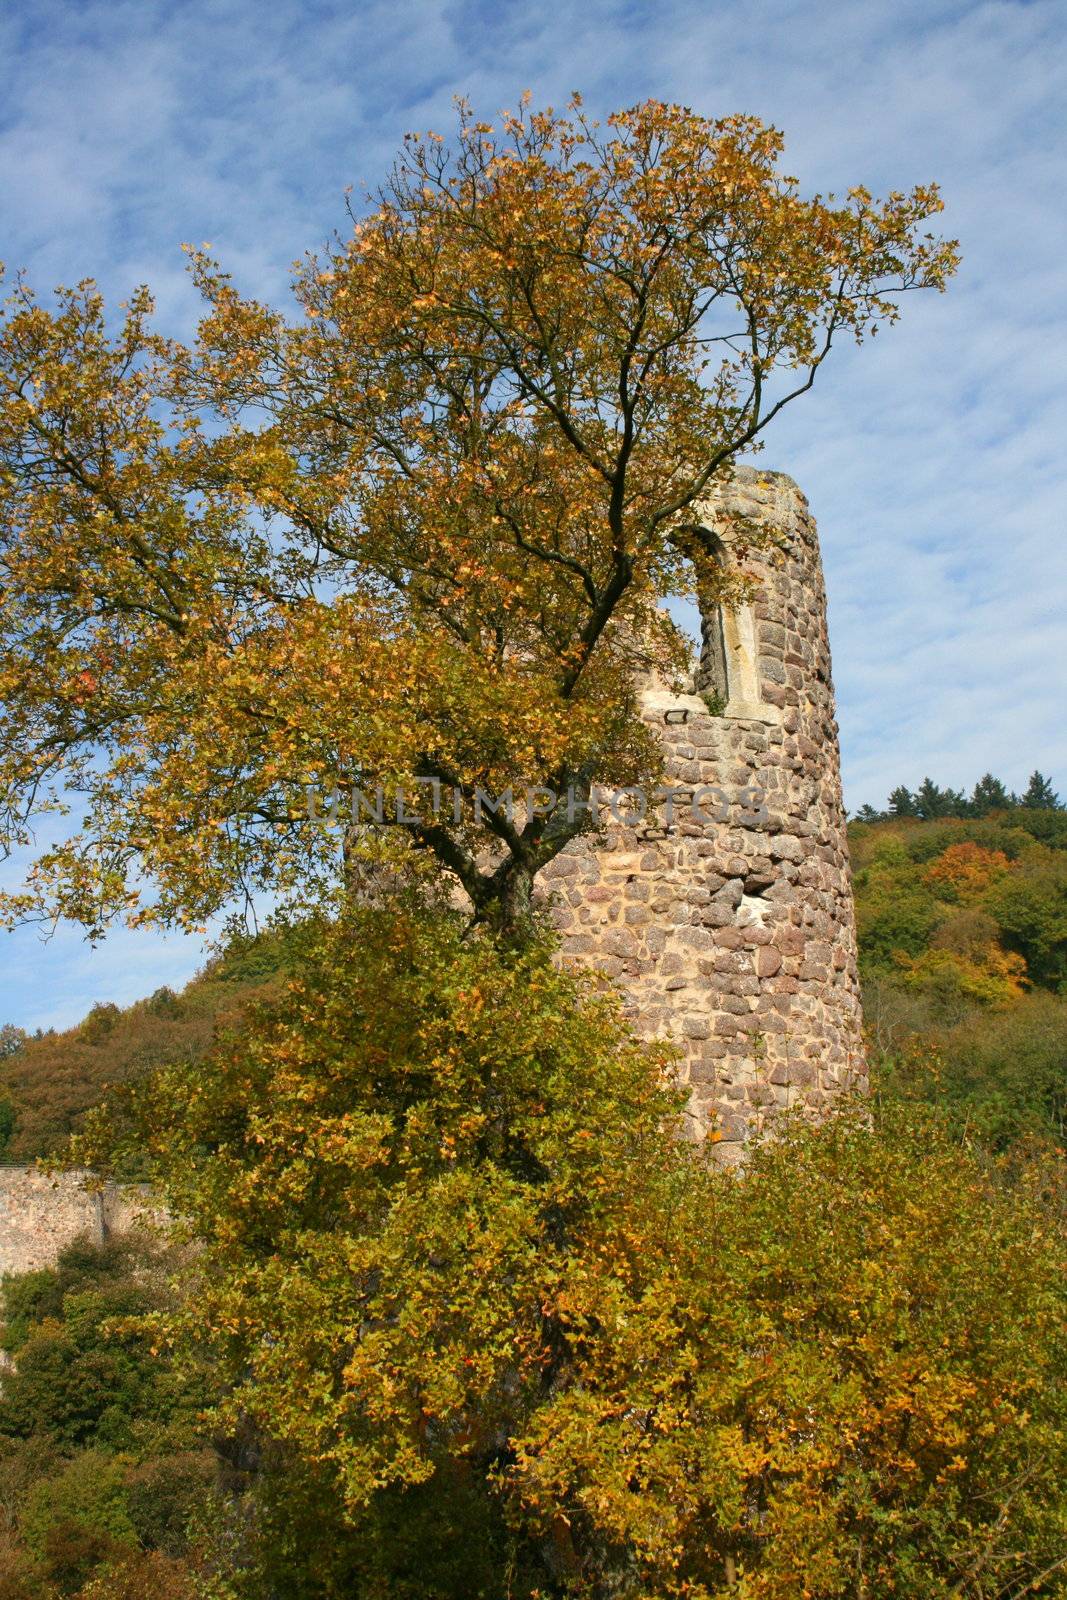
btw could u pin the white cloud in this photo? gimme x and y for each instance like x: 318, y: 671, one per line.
x: 933, y: 458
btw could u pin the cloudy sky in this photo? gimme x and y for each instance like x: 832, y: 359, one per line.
x: 934, y: 458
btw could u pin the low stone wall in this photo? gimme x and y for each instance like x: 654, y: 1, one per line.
x: 41, y: 1212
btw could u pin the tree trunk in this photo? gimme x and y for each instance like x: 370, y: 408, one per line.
x: 510, y: 912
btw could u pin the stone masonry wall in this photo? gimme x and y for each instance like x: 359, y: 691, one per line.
x: 41, y: 1212
x: 735, y: 935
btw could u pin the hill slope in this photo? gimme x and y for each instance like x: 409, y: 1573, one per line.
x: 48, y: 1082
x: 963, y: 957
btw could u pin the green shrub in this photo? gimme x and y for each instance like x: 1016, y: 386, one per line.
x: 163, y: 1495
x: 1031, y: 907
x: 85, y: 1371
x: 1001, y: 1076
x: 144, y: 1575
x: 77, y: 1519
x: 8, y: 1121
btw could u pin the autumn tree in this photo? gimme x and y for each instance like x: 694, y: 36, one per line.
x: 417, y: 531
x: 499, y: 1331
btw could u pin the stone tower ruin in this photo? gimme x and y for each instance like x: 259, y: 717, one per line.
x: 732, y: 932
x: 729, y: 923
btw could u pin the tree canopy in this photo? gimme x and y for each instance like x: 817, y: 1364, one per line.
x: 417, y: 529
x: 930, y: 802
x: 501, y: 1331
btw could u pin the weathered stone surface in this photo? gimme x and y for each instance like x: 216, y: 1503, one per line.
x: 747, y: 959
x: 41, y: 1212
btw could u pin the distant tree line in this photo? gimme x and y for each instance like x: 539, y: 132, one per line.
x: 929, y: 802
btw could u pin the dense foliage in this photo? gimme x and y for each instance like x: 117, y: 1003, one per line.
x: 470, y: 1320
x: 498, y: 1330
x: 963, y: 955
x: 104, y: 1471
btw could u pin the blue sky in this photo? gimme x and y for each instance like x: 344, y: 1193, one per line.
x: 933, y: 458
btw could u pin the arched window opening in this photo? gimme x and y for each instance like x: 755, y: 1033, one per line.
x: 728, y: 670
x: 712, y: 676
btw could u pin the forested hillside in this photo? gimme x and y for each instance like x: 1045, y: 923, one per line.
x: 104, y: 1467
x: 48, y: 1081
x: 963, y: 956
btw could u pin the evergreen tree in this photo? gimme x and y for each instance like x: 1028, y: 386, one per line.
x: 1040, y: 795
x: 989, y: 795
x: 931, y: 802
x: 902, y: 803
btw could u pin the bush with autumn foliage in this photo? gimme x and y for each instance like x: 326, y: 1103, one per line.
x: 495, y: 1330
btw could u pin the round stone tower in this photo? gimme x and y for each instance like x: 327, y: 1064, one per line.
x: 725, y: 911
